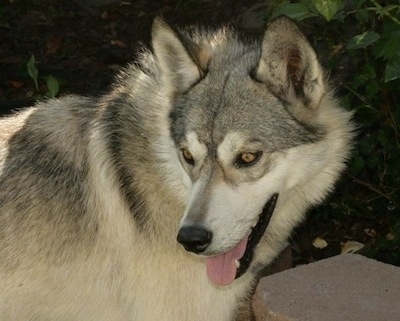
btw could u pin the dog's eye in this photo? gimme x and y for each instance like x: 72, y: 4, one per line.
x: 187, y: 156
x: 247, y: 159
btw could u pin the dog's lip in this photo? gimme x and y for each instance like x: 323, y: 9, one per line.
x: 256, y: 234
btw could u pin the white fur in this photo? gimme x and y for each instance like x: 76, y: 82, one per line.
x: 125, y: 271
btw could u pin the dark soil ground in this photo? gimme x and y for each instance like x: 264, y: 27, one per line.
x: 83, y: 46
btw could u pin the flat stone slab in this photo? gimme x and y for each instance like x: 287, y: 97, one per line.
x: 347, y: 287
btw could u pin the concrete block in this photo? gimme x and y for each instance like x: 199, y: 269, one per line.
x: 347, y: 287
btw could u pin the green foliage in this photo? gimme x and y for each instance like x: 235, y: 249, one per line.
x: 33, y: 71
x: 363, y: 40
x: 362, y: 45
x: 298, y: 11
x: 53, y: 85
x: 328, y: 8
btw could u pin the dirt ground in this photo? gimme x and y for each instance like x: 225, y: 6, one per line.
x: 84, y: 45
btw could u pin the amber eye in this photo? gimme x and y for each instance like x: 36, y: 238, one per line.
x: 187, y: 156
x: 247, y: 159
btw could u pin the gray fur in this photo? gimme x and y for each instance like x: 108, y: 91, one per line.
x: 93, y: 191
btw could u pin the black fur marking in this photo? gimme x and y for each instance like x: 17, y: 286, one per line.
x: 256, y: 235
x: 51, y: 176
x: 46, y: 191
x: 114, y: 134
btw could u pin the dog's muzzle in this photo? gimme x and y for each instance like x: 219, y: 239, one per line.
x: 196, y: 238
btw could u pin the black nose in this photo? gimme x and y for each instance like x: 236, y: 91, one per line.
x: 194, y: 238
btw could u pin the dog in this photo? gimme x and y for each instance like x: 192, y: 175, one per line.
x: 164, y: 198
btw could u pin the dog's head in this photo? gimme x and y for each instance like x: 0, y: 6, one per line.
x: 257, y: 135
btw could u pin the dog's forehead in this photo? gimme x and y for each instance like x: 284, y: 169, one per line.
x: 232, y: 143
x: 232, y: 102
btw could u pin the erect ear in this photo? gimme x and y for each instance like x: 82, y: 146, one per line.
x: 289, y: 66
x: 182, y: 62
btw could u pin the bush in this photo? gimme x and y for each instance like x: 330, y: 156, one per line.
x: 361, y: 43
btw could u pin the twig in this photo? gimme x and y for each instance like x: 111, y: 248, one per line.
x: 384, y: 12
x: 372, y: 188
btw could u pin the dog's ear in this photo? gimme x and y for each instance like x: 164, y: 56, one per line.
x: 182, y: 62
x: 289, y: 66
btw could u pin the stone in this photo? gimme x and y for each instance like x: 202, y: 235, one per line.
x: 347, y: 287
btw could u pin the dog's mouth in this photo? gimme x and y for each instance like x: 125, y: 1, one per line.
x: 224, y: 268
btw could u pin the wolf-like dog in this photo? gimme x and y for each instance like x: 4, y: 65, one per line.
x: 165, y: 197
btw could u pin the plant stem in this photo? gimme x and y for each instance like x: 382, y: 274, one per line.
x: 385, y: 12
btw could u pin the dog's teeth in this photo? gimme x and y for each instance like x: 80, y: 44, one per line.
x: 237, y: 263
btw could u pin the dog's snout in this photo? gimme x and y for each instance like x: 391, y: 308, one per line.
x: 194, y: 238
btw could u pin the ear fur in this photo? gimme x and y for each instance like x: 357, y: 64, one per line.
x: 289, y: 66
x: 181, y: 61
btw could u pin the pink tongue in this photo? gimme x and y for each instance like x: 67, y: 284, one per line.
x: 221, y: 269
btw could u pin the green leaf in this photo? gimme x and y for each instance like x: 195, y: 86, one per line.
x: 372, y: 161
x: 372, y: 88
x: 362, y: 15
x: 356, y: 165
x: 392, y: 70
x: 365, y: 147
x: 364, y: 74
x: 53, y: 86
x: 383, y: 136
x: 296, y: 11
x: 33, y: 71
x: 387, y: 48
x: 358, y: 3
x: 328, y: 8
x: 363, y: 40
x: 389, y: 43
